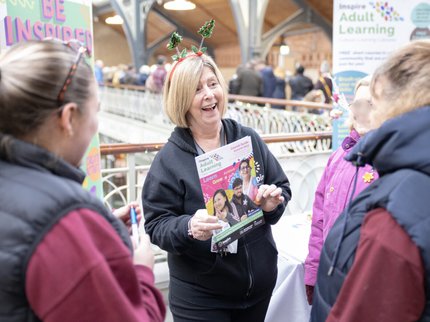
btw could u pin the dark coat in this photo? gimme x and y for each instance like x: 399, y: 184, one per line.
x: 398, y: 150
x: 249, y: 82
x: 37, y: 189
x: 300, y: 86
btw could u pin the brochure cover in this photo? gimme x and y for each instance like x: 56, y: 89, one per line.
x: 229, y: 186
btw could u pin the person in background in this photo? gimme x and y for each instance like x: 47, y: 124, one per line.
x: 233, y: 84
x: 314, y: 96
x: 119, y: 73
x: 280, y: 85
x: 156, y: 79
x: 205, y: 285
x: 375, y: 263
x: 336, y: 184
x: 268, y: 77
x: 324, y: 82
x: 98, y: 71
x: 129, y: 76
x: 300, y: 84
x: 144, y: 72
x: 65, y: 257
x: 249, y: 81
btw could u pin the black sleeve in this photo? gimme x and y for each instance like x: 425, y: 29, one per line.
x: 161, y: 199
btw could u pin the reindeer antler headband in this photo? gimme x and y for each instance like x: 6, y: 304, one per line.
x: 175, y: 39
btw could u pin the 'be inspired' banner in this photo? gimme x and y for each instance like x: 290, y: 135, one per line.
x: 23, y: 20
x: 364, y: 34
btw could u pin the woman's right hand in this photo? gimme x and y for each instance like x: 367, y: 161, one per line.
x: 143, y: 254
x: 202, y: 224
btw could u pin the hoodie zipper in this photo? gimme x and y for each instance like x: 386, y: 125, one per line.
x: 251, y: 280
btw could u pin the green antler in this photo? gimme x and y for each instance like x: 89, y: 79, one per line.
x: 206, y: 32
x: 175, y: 40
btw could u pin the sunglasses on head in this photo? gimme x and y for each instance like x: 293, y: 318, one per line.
x: 80, y: 49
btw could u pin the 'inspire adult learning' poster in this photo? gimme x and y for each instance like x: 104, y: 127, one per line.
x: 364, y: 34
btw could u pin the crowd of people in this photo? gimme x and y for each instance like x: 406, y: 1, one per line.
x: 65, y: 257
x: 259, y: 79
x: 152, y: 77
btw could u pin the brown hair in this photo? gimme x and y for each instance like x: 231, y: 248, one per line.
x: 403, y: 81
x: 181, y: 85
x: 31, y: 76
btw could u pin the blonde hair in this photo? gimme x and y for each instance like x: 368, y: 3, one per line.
x: 32, y: 75
x: 404, y: 81
x: 365, y: 81
x: 181, y: 84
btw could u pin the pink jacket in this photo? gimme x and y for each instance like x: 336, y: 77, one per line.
x: 331, y: 197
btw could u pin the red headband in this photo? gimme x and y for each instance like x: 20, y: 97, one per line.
x: 198, y: 54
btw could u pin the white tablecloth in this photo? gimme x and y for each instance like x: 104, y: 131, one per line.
x: 288, y: 303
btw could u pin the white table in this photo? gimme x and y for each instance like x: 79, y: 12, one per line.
x: 288, y: 303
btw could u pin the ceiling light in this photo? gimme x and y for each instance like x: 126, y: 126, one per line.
x: 179, y: 5
x: 284, y: 50
x: 115, y: 20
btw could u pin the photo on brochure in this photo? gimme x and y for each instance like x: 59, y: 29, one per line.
x: 229, y: 186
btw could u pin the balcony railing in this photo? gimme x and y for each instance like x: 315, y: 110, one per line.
x: 131, y: 103
x: 126, y: 166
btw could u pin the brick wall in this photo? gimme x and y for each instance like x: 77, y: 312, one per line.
x: 310, y: 49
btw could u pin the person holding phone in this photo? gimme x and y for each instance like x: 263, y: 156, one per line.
x: 64, y: 256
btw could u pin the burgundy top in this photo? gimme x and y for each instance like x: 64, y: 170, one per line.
x: 386, y: 281
x: 82, y: 271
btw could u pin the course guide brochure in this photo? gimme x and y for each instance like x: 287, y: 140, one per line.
x: 222, y: 173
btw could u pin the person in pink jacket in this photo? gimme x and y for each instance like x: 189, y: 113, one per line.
x: 336, y: 184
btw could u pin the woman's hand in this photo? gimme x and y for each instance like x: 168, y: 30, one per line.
x: 143, y: 254
x: 202, y: 224
x: 269, y: 197
x: 123, y: 213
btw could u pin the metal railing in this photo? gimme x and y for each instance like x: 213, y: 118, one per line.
x: 124, y: 182
x: 132, y: 103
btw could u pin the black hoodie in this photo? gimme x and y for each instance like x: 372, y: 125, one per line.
x: 172, y: 194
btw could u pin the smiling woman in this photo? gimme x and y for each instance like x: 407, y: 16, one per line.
x: 194, y: 75
x: 195, y: 98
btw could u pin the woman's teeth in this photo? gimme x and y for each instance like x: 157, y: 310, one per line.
x: 211, y: 107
